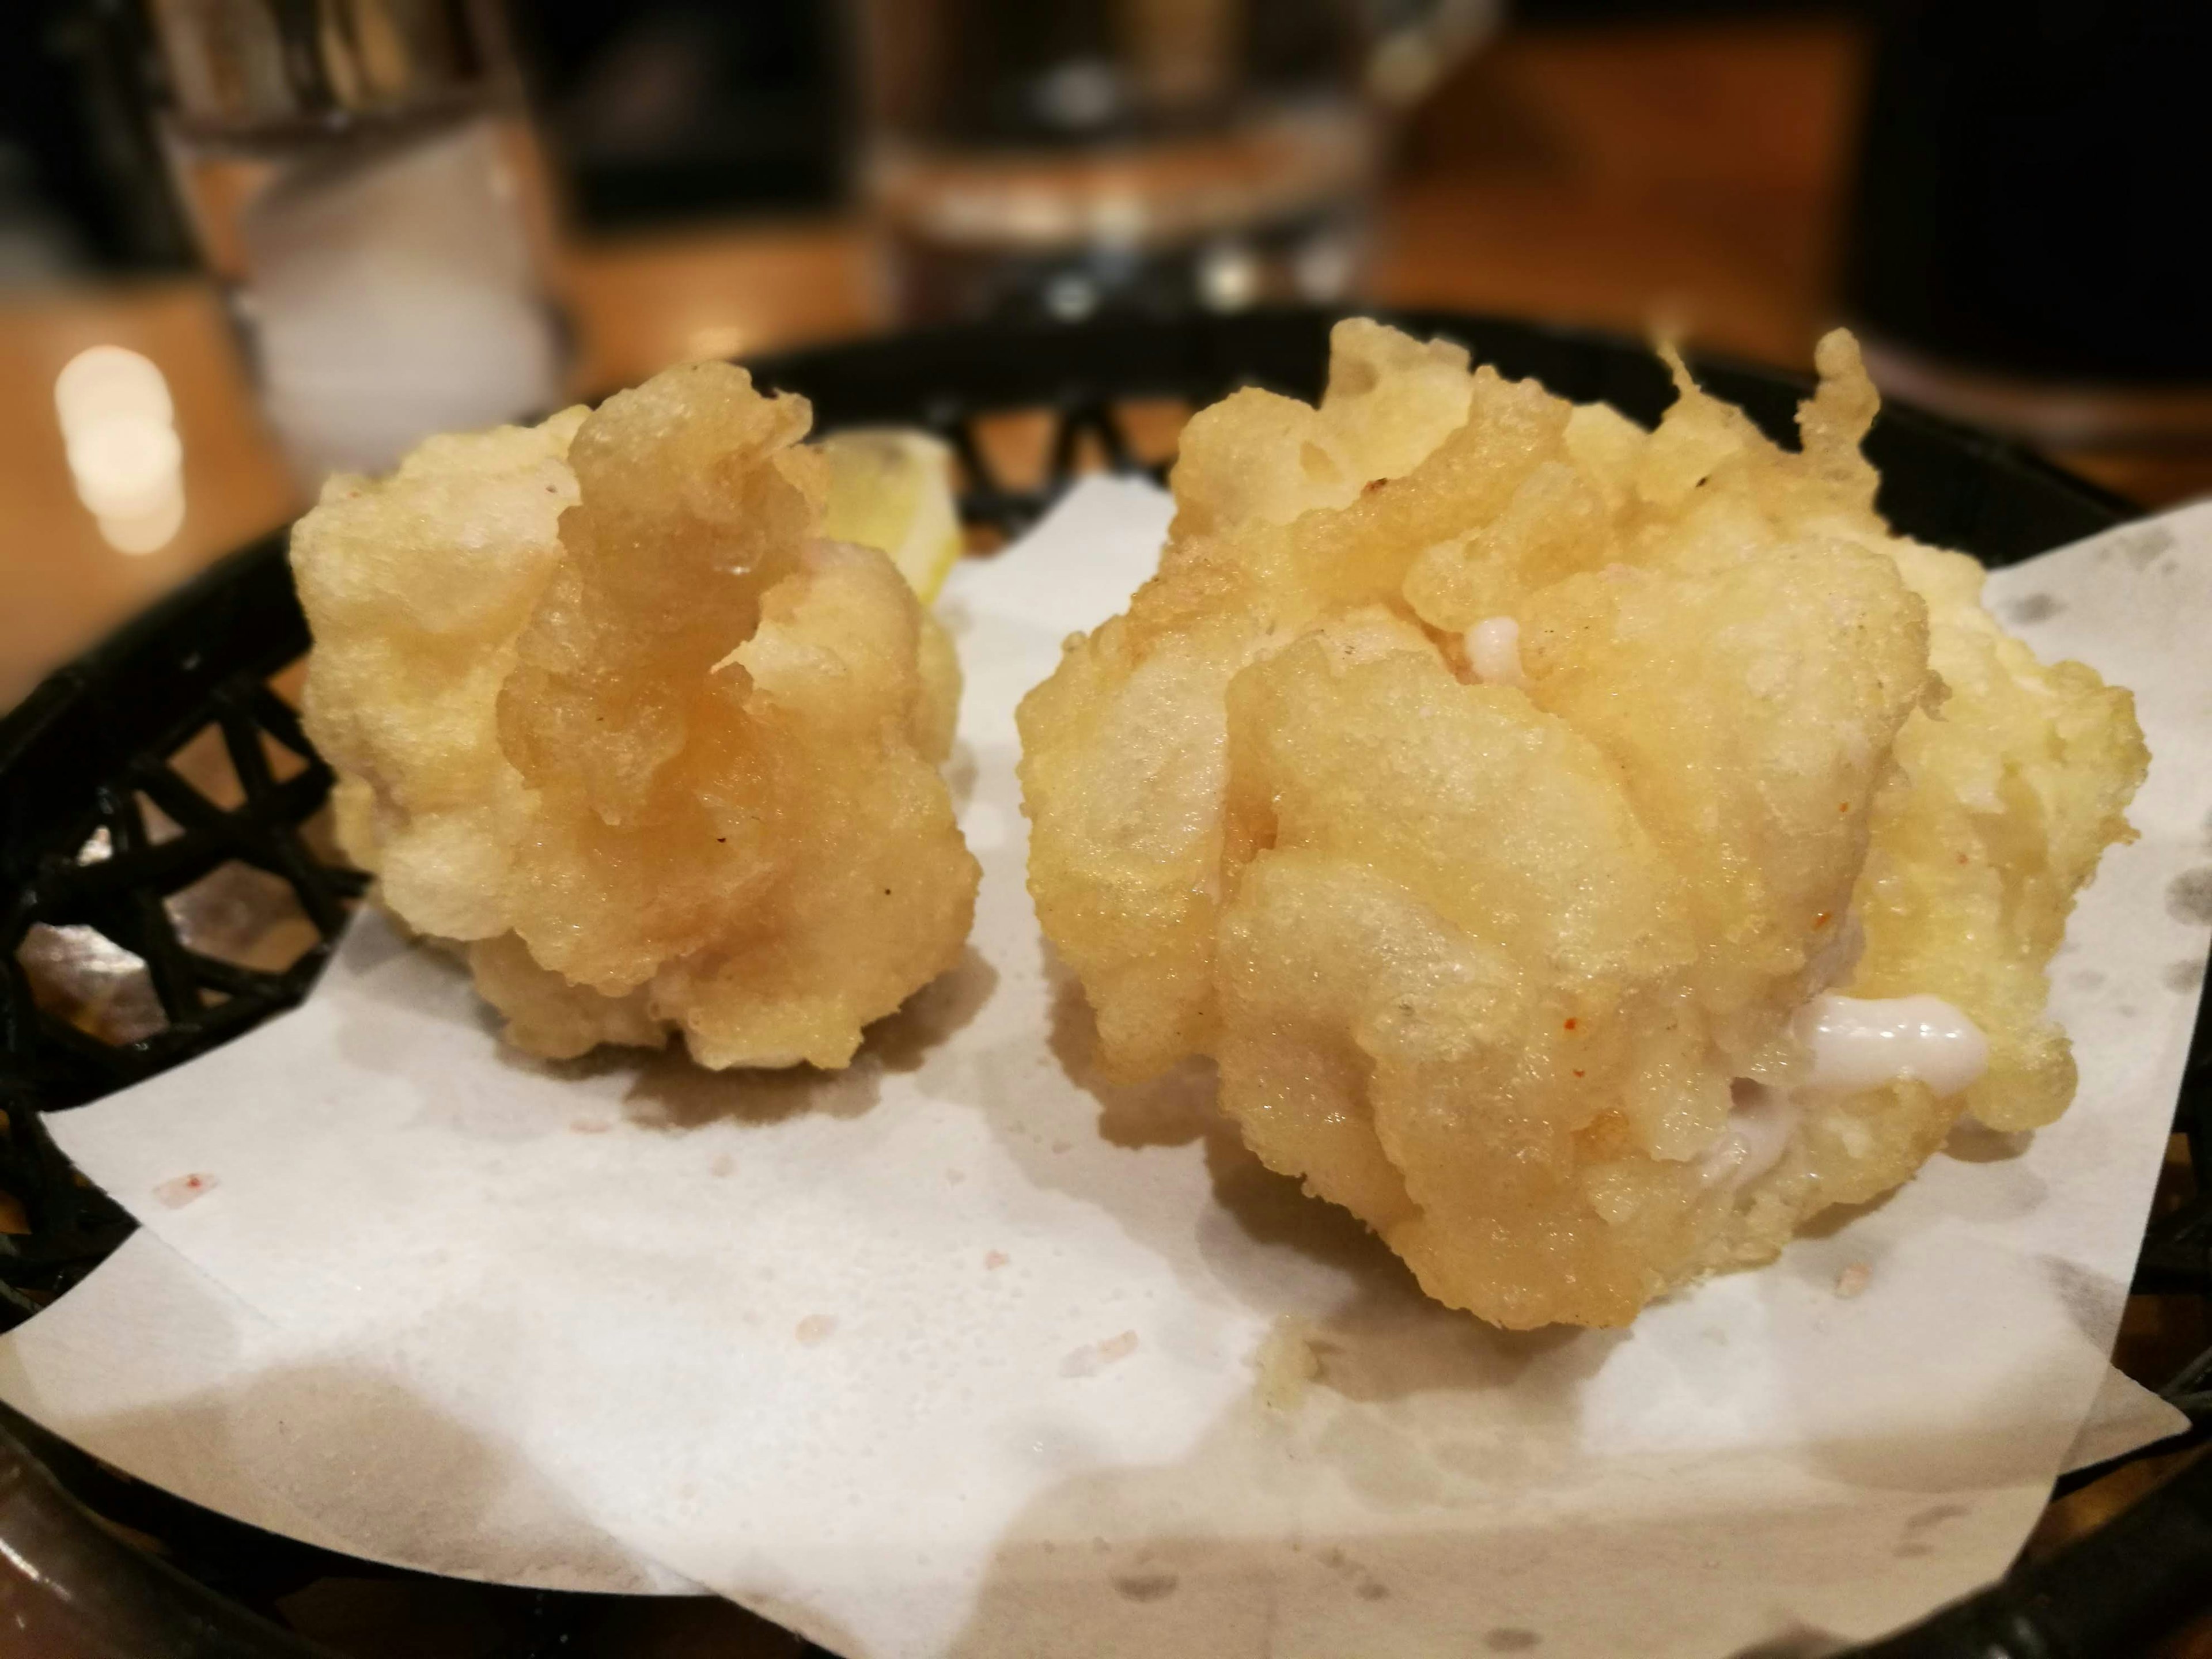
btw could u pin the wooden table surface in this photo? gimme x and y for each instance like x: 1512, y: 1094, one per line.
x: 1617, y: 176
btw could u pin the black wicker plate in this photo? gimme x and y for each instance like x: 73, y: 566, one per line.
x: 156, y: 789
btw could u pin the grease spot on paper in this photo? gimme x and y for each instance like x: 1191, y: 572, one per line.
x: 2188, y: 896
x: 1144, y: 1586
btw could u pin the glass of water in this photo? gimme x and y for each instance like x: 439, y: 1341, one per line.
x: 363, y: 182
x: 1053, y: 158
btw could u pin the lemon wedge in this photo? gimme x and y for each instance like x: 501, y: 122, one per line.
x: 891, y: 488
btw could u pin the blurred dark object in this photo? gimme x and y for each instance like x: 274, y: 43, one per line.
x: 2015, y: 252
x: 672, y: 109
x: 70, y: 1588
x: 82, y: 182
x: 2145, y: 1575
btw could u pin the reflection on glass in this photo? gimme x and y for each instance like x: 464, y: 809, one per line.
x: 118, y: 432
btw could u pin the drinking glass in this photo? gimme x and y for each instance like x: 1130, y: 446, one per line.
x: 363, y: 181
x: 1053, y: 157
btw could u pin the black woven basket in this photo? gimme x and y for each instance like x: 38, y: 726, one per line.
x: 109, y: 843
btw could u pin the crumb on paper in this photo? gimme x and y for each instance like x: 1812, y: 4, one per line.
x: 1095, y: 1357
x: 176, y: 1193
x: 994, y: 1259
x: 1853, y: 1279
x: 724, y: 1164
x: 814, y: 1328
x: 589, y: 1126
x: 1286, y: 1364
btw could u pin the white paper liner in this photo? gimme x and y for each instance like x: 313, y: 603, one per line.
x: 152, y: 1368
x: 759, y: 1329
x: 2125, y: 1417
x: 158, y: 1372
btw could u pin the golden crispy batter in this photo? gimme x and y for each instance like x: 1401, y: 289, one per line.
x: 1494, y: 965
x: 608, y: 710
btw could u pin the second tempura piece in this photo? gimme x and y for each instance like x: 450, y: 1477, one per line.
x: 1587, y: 851
x: 610, y: 711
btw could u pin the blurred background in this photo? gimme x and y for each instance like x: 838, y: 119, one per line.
x: 244, y: 242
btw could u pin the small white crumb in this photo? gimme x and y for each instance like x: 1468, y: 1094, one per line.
x: 1095, y: 1357
x: 183, y: 1189
x: 1853, y: 1279
x: 1494, y: 651
x: 589, y: 1126
x: 723, y: 1165
x: 994, y: 1258
x: 814, y: 1328
x: 1286, y: 1363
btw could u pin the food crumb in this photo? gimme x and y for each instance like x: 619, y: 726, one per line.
x: 1095, y: 1357
x: 1286, y: 1364
x: 994, y: 1258
x: 589, y: 1126
x: 723, y: 1165
x: 183, y: 1189
x: 1853, y: 1279
x: 814, y: 1328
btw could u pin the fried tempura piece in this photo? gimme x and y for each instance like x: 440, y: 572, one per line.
x: 1491, y: 817
x: 609, y: 712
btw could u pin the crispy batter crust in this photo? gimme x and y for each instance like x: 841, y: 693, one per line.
x: 608, y: 710
x: 1483, y: 962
